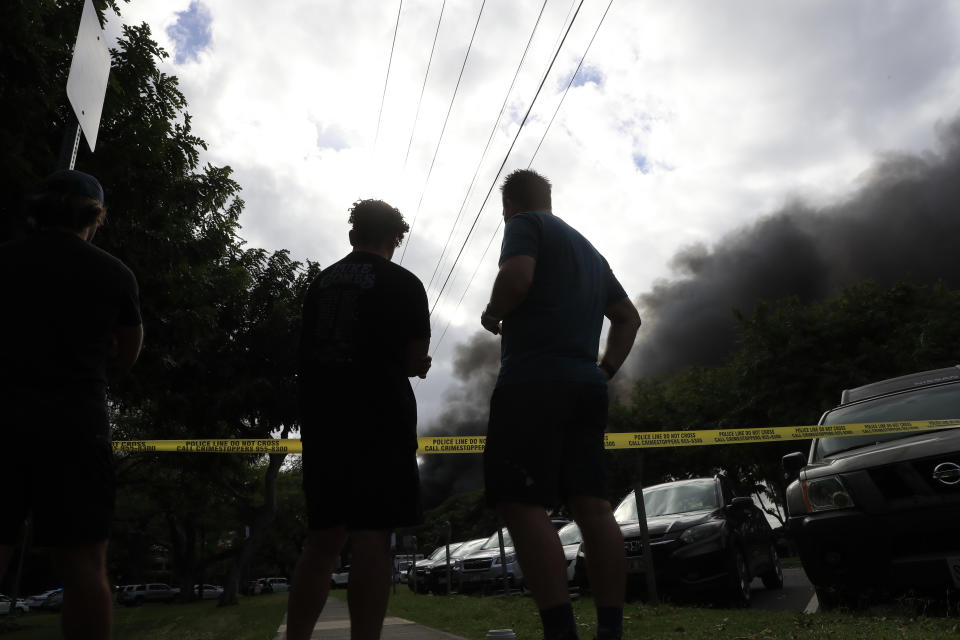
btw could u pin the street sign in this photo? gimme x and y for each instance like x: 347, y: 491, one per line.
x: 89, y: 70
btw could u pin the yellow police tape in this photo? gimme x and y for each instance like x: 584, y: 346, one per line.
x: 639, y: 440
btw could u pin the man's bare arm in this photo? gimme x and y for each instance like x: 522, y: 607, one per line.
x: 510, y: 289
x: 418, y: 360
x: 624, y: 323
x: 128, y: 341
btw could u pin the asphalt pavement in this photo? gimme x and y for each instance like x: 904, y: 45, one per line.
x: 796, y: 594
x: 334, y: 624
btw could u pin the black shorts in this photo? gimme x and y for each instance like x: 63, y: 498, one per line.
x: 67, y: 487
x: 360, y: 484
x: 545, y: 443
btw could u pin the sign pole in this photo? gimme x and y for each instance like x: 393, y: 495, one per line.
x: 446, y: 529
x: 70, y: 145
x: 648, y: 568
x: 503, y: 563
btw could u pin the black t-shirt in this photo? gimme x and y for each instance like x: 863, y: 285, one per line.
x: 63, y: 298
x: 358, y: 318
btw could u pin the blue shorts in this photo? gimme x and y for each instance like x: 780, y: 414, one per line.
x: 545, y: 443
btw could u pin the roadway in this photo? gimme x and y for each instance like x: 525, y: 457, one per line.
x: 796, y: 595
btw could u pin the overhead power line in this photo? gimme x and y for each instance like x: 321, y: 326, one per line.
x: 483, y: 155
x: 529, y: 164
x: 423, y: 88
x: 387, y: 80
x: 570, y: 83
x: 442, y: 130
x: 505, y: 158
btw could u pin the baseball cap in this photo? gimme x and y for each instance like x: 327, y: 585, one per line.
x: 73, y: 183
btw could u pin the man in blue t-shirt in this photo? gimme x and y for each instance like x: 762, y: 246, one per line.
x: 549, y: 409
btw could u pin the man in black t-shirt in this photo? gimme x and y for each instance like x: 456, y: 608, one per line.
x: 71, y: 312
x: 366, y: 330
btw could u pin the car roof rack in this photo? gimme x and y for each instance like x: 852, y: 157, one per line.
x: 910, y: 381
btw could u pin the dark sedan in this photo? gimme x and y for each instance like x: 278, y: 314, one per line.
x: 703, y: 540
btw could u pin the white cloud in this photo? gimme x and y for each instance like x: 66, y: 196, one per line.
x: 734, y: 107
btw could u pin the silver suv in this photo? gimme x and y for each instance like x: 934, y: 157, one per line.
x: 881, y: 513
x: 482, y: 568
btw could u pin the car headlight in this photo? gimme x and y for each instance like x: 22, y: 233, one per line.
x: 825, y: 494
x: 508, y: 559
x: 701, y: 532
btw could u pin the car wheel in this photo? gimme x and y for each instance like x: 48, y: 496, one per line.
x: 773, y: 578
x: 739, y: 585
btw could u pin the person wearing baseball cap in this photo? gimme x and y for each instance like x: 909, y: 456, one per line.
x: 71, y: 316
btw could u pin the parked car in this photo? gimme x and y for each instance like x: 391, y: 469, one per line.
x: 482, y: 569
x: 21, y: 606
x: 437, y: 576
x: 209, y: 592
x: 704, y: 540
x: 35, y: 601
x: 137, y: 594
x: 340, y: 577
x: 400, y: 573
x: 880, y: 513
x: 418, y: 573
x: 252, y: 587
x: 274, y: 585
x: 53, y: 602
x: 570, y: 539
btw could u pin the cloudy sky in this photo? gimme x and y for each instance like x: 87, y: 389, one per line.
x: 687, y: 121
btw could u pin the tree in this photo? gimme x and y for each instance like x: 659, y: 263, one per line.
x: 220, y: 318
x: 469, y: 518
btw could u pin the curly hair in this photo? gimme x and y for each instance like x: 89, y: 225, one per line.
x: 375, y: 221
x: 75, y: 212
x: 527, y: 189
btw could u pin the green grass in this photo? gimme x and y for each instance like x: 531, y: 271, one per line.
x: 472, y: 617
x: 253, y: 619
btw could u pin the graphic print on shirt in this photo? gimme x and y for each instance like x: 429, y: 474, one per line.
x: 337, y: 313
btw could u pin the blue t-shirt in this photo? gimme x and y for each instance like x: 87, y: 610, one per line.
x: 554, y: 335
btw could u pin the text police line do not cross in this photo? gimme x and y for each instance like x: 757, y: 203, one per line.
x: 612, y: 441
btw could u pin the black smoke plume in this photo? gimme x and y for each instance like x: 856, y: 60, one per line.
x: 901, y: 224
x: 475, y: 365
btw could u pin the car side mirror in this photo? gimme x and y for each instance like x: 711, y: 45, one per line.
x: 741, y: 503
x: 793, y: 463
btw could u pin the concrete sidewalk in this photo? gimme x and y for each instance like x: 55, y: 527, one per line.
x: 334, y: 624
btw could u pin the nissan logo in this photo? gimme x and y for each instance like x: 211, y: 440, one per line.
x: 947, y: 473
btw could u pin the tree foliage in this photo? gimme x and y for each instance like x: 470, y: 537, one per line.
x: 220, y: 318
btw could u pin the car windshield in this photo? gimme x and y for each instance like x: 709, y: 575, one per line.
x: 681, y: 497
x: 468, y: 547
x: 440, y: 551
x: 933, y: 403
x: 570, y: 534
x: 493, y: 542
